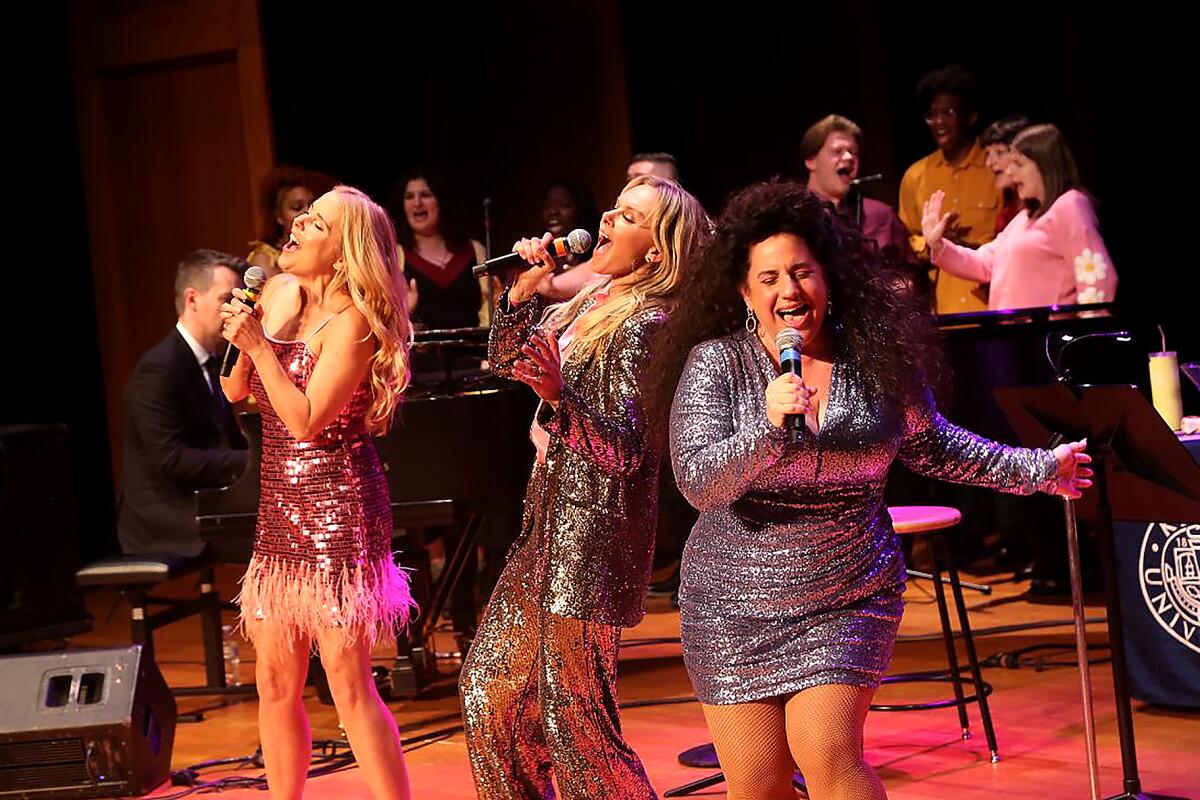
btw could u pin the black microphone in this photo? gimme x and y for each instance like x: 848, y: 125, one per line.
x: 254, y: 279
x: 788, y: 341
x: 867, y: 179
x: 856, y: 187
x: 575, y: 243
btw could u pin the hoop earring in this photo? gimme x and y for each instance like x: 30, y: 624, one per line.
x: 751, y: 320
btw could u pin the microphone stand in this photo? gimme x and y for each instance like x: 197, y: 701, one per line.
x: 1078, y: 614
x: 856, y: 187
x: 1081, y: 648
x: 487, y: 251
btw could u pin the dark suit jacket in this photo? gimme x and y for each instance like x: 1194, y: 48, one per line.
x: 179, y: 437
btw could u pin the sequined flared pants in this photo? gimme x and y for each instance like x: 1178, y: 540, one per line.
x: 539, y: 695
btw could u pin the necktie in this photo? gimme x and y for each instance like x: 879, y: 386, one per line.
x: 213, y: 368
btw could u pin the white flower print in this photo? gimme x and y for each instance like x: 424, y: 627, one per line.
x: 1090, y: 294
x: 1090, y: 267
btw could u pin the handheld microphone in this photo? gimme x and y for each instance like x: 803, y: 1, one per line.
x: 576, y: 242
x: 789, y: 341
x: 254, y: 279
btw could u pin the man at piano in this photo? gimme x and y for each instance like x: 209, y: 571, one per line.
x: 180, y: 433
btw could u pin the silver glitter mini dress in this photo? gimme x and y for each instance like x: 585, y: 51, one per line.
x: 792, y: 576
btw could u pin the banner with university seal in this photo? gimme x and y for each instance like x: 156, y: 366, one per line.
x: 1158, y: 572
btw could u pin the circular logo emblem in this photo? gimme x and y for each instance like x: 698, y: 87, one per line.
x: 1169, y: 574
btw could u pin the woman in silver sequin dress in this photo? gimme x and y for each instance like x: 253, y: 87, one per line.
x: 792, y: 577
x: 539, y: 688
x: 327, y: 373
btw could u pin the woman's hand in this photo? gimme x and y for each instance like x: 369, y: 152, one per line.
x: 788, y: 394
x: 1073, y: 473
x: 541, y: 368
x: 934, y: 222
x: 534, y: 251
x: 241, y: 326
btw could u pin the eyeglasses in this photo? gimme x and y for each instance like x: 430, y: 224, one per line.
x: 934, y: 114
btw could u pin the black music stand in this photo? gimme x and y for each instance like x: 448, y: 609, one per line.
x: 1143, y: 474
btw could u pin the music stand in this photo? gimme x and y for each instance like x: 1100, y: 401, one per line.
x: 1143, y: 474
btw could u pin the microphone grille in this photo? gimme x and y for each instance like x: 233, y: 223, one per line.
x: 788, y: 339
x: 578, y: 241
x: 254, y: 278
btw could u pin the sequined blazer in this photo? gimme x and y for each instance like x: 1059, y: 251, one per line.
x: 594, y: 500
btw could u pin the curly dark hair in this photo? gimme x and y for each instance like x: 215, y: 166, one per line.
x: 952, y: 79
x: 276, y: 184
x: 888, y: 335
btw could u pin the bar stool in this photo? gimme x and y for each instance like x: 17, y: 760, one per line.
x: 931, y: 522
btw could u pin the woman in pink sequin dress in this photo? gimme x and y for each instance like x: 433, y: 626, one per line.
x: 325, y: 354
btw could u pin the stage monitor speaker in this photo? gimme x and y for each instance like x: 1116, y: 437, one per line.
x: 84, y: 723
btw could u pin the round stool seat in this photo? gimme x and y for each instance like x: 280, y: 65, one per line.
x: 923, y: 519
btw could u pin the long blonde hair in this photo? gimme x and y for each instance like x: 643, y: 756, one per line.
x: 678, y: 225
x: 372, y: 278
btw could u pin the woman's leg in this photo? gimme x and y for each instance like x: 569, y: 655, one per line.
x: 369, y: 723
x: 580, y: 712
x: 280, y: 669
x: 825, y: 734
x: 752, y: 747
x: 499, y: 689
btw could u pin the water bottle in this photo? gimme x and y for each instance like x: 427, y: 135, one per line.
x: 232, y: 656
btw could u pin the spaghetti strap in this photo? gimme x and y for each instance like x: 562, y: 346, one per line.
x: 319, y: 327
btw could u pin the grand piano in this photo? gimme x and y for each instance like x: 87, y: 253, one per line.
x: 457, y: 458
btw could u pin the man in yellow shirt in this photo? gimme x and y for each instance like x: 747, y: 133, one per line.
x: 958, y: 168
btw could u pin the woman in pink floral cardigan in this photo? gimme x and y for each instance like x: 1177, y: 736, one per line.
x: 1051, y: 253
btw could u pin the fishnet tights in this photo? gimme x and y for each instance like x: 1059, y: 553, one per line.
x: 818, y: 730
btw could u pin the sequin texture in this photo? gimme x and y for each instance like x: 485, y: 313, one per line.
x: 539, y: 688
x: 322, y: 549
x: 539, y: 691
x: 600, y: 498
x: 792, y: 575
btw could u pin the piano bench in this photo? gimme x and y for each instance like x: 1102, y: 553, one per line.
x: 137, y: 570
x: 137, y: 575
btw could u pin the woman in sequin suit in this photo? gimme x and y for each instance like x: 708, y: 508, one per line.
x: 792, y: 577
x: 539, y: 688
x: 327, y: 376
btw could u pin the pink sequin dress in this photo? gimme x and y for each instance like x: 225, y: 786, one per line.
x: 322, y: 552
